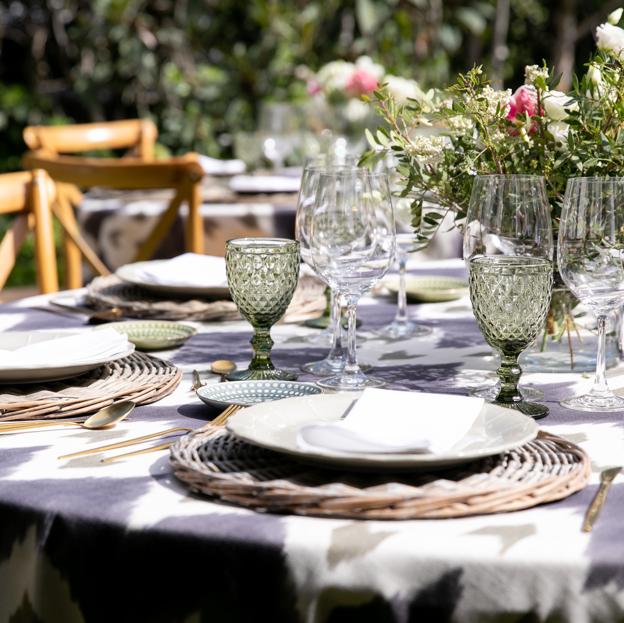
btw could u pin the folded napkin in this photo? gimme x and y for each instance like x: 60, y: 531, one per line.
x: 387, y: 421
x: 265, y: 184
x: 67, y: 350
x: 190, y: 269
x: 214, y: 166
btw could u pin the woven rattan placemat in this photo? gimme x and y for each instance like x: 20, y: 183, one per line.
x: 215, y: 463
x: 135, y: 302
x: 139, y: 377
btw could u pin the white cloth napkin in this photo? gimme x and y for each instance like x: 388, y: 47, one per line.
x: 265, y: 184
x: 214, y: 166
x: 66, y: 350
x: 389, y: 421
x: 189, y: 269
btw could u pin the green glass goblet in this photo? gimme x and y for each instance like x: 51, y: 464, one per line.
x: 262, y: 276
x: 510, y: 297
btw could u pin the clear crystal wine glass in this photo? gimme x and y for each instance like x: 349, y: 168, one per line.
x: 508, y: 246
x: 352, y: 245
x: 334, y: 362
x: 591, y: 255
x: 406, y: 242
x: 262, y: 276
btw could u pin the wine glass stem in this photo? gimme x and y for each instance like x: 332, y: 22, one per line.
x: 335, y: 319
x: 351, y: 366
x: 600, y: 380
x: 262, y: 344
x: 509, y: 374
x: 401, y: 315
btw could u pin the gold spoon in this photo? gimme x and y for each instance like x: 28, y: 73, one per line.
x: 106, y: 417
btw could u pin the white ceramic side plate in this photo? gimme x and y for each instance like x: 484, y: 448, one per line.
x: 132, y: 273
x: 274, y: 425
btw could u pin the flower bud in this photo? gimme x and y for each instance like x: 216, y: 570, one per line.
x: 615, y: 17
x: 594, y: 75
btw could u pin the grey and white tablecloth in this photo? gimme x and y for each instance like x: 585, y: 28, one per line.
x: 84, y: 541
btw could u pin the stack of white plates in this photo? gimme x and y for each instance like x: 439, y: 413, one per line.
x: 31, y: 356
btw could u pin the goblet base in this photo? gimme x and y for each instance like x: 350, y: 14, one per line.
x: 328, y: 367
x: 262, y: 375
x: 592, y: 402
x: 397, y: 330
x: 531, y: 409
x: 528, y: 392
x: 350, y: 382
x: 321, y: 322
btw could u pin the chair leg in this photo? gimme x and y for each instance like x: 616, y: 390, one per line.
x: 10, y: 246
x: 47, y: 274
x: 194, y: 222
x: 73, y: 259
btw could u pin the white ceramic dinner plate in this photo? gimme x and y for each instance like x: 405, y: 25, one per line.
x: 265, y: 184
x: 133, y: 273
x: 274, y: 425
x: 12, y: 340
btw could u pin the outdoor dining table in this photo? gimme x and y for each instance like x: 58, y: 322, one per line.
x: 125, y: 541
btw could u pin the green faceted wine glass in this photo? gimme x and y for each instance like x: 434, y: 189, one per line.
x: 510, y: 298
x: 262, y: 276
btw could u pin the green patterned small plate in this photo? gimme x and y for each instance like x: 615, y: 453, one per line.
x: 154, y: 334
x: 247, y: 393
x: 433, y: 289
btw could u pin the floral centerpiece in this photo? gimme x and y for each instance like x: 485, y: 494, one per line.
x: 337, y: 89
x: 443, y: 140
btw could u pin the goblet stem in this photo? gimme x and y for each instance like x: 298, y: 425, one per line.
x: 351, y: 367
x: 335, y: 351
x: 509, y: 374
x: 600, y: 388
x: 401, y: 315
x: 262, y: 344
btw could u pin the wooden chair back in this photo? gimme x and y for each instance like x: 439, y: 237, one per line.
x: 137, y: 135
x: 29, y: 195
x: 182, y: 174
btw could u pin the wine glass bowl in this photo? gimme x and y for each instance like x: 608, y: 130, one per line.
x: 591, y: 254
x: 262, y: 276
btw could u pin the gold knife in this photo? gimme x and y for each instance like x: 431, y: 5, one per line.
x: 606, y: 478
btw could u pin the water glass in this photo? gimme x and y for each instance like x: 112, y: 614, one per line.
x: 591, y: 254
x: 262, y: 276
x: 351, y: 245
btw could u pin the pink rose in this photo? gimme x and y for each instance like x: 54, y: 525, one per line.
x: 523, y: 103
x: 361, y: 81
x: 313, y: 87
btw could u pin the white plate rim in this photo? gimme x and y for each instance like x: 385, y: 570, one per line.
x: 386, y: 461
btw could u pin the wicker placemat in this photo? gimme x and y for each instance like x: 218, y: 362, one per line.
x: 217, y: 464
x: 139, y: 377
x: 135, y: 302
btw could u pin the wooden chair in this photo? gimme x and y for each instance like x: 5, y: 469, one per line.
x: 50, y: 146
x: 29, y: 195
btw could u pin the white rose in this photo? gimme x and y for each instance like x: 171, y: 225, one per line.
x: 334, y: 75
x: 610, y: 39
x: 557, y: 105
x: 594, y: 75
x: 356, y: 111
x: 615, y: 16
x: 402, y: 89
x: 559, y: 131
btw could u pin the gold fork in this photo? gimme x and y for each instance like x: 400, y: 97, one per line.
x: 220, y: 420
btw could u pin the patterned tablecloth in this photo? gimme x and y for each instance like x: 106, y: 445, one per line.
x: 80, y: 540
